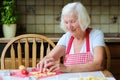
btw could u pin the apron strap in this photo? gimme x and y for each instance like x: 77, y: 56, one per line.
x: 69, y: 44
x: 87, y: 42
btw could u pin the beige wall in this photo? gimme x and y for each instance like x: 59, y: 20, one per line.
x: 39, y: 16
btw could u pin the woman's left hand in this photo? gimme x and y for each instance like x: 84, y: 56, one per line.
x: 52, y: 65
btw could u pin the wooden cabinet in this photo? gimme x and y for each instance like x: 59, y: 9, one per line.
x: 115, y: 58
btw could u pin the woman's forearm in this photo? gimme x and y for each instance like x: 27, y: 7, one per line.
x: 85, y: 67
x: 57, y: 52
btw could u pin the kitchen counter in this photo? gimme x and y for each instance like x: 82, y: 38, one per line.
x: 112, y: 39
x: 53, y: 37
x: 56, y: 37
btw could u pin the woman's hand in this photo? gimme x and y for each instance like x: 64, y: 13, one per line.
x: 40, y: 65
x: 46, y: 64
x: 51, y: 64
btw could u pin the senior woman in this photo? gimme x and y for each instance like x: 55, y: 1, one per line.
x: 82, y: 46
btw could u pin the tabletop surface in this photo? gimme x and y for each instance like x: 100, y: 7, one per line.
x: 77, y: 76
x: 64, y: 76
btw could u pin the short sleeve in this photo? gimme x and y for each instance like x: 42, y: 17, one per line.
x: 98, y: 38
x: 64, y: 39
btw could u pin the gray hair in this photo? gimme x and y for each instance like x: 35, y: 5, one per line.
x: 82, y: 14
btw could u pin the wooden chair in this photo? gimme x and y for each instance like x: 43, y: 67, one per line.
x: 108, y: 58
x: 22, y: 47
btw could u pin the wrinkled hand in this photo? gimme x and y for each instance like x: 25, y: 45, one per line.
x: 51, y: 64
x: 40, y: 65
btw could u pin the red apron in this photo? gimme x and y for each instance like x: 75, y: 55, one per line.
x: 78, y: 58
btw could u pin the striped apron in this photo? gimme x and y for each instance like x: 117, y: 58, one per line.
x: 78, y: 58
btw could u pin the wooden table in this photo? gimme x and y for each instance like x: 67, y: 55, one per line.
x: 106, y: 73
x: 63, y: 76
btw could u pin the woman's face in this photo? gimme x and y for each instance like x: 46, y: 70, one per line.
x: 72, y: 24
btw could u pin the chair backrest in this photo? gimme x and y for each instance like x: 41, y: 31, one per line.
x: 22, y: 47
x: 108, y: 57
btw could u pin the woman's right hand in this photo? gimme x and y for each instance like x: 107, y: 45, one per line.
x: 40, y: 65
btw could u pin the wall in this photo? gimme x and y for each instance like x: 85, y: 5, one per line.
x: 42, y: 16
x: 1, y: 34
